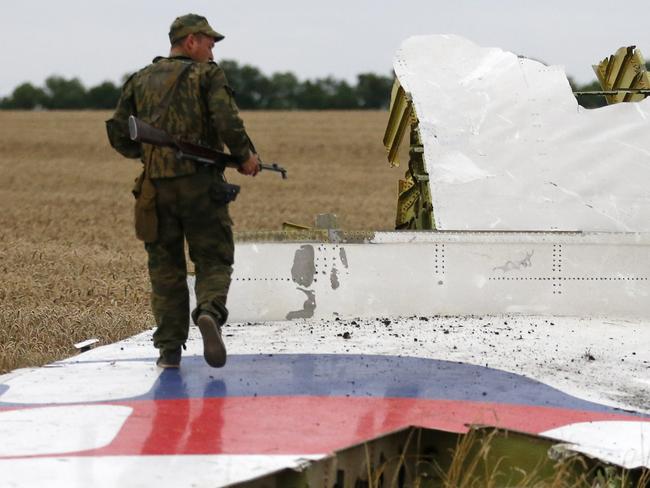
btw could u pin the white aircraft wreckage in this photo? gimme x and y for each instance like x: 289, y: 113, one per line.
x: 513, y: 304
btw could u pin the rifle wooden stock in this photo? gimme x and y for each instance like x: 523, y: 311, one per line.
x: 142, y: 132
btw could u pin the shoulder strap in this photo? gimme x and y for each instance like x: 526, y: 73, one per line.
x: 161, y: 113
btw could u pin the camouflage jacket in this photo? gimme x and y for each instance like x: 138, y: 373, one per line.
x: 189, y: 100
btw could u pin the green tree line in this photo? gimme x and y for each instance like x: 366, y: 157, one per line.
x: 254, y: 90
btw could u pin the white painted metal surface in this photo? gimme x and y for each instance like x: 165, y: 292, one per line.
x: 507, y: 146
x: 553, y: 351
x: 126, y: 380
x: 59, y: 430
x: 451, y: 273
x: 624, y: 443
x: 141, y: 471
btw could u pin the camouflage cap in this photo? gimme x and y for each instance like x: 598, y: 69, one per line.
x: 191, y: 24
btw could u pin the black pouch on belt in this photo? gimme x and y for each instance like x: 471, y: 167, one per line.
x: 223, y: 193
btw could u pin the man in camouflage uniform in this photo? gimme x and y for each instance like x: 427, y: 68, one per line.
x: 186, y: 95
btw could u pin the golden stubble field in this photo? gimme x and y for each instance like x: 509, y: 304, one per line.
x: 70, y: 264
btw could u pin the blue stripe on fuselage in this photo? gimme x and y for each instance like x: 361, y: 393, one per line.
x: 340, y: 375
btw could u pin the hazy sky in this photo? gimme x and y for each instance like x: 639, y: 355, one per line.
x: 102, y: 40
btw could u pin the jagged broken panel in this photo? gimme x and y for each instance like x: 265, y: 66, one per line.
x: 507, y: 147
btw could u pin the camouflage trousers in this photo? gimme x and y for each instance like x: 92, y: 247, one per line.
x: 187, y: 211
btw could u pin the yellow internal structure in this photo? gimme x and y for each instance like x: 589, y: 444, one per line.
x: 414, y: 207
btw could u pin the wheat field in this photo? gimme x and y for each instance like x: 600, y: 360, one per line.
x: 71, y: 266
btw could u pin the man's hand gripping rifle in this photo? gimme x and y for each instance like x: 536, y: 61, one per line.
x: 140, y: 131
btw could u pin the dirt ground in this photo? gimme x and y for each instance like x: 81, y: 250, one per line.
x: 71, y: 266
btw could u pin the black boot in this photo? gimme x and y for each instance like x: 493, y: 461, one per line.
x: 214, y: 350
x: 169, y: 358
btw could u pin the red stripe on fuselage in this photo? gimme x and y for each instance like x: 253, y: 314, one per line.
x: 313, y: 425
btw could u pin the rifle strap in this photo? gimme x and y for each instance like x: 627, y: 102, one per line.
x: 163, y: 107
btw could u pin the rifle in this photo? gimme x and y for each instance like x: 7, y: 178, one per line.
x: 140, y: 131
